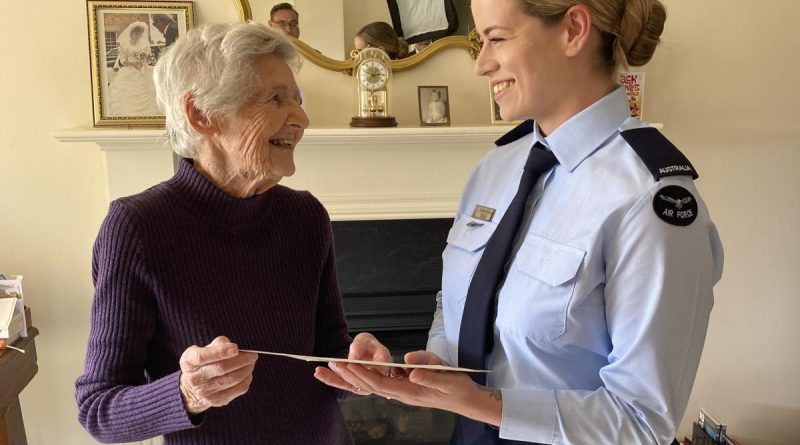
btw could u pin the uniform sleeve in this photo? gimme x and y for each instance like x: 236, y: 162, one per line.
x: 437, y: 340
x: 116, y: 400
x: 658, y: 298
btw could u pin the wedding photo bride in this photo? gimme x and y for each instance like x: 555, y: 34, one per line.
x: 131, y: 91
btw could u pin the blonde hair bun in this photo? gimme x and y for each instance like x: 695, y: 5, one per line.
x: 639, y: 32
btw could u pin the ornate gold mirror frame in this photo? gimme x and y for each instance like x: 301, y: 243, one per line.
x: 470, y: 43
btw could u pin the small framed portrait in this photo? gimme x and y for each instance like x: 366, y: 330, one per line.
x: 495, y: 113
x: 434, y: 105
x: 126, y: 38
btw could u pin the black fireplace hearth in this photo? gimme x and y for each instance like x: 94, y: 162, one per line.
x: 389, y: 273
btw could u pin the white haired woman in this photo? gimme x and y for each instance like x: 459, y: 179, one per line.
x: 581, y: 263
x: 219, y: 249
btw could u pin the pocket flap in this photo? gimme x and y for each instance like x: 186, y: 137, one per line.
x: 548, y: 261
x: 469, y: 233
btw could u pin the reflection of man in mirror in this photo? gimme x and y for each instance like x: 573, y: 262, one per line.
x: 437, y: 113
x: 284, y: 17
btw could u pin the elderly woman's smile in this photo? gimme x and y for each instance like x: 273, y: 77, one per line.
x: 283, y: 143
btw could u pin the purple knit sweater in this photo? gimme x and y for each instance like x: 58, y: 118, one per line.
x: 182, y: 263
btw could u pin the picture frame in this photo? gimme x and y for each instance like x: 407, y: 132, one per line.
x: 434, y: 105
x: 125, y: 40
x: 494, y: 112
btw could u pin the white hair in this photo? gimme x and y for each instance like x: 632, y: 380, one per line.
x: 217, y: 64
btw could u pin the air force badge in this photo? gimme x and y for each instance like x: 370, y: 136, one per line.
x: 675, y: 205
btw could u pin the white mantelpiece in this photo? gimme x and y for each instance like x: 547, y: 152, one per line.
x: 369, y: 173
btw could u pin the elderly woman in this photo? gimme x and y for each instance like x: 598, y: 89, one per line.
x: 219, y: 249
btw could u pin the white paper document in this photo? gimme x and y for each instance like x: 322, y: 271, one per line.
x: 311, y: 358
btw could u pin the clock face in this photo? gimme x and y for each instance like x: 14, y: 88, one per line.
x: 372, y: 75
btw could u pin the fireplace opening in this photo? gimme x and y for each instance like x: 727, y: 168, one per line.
x: 389, y: 272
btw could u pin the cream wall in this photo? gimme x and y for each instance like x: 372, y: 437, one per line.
x: 722, y: 84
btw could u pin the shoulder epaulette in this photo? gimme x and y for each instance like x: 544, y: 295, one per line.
x: 659, y: 155
x: 517, y: 132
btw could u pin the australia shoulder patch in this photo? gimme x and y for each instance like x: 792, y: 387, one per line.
x: 675, y: 205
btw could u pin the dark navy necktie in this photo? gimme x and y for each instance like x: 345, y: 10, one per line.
x: 476, y: 336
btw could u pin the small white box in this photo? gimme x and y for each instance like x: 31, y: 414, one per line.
x: 11, y: 322
x: 12, y: 309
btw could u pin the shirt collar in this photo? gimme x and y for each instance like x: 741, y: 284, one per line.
x: 577, y: 138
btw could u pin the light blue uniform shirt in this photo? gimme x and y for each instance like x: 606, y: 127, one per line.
x: 603, y: 314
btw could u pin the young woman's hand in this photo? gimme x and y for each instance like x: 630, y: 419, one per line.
x: 364, y: 347
x: 450, y: 391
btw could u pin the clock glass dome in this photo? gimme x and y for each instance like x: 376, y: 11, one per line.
x: 372, y: 72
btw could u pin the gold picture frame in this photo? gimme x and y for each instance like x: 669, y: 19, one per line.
x: 434, y: 105
x: 125, y: 40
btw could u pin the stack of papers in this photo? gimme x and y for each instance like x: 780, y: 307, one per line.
x: 12, y: 310
x: 11, y: 321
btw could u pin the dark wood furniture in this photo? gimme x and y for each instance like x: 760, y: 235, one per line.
x: 16, y: 371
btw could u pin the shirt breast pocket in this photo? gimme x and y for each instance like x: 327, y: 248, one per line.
x: 540, y: 284
x: 465, y: 244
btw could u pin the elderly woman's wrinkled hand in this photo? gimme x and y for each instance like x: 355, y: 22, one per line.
x: 214, y: 375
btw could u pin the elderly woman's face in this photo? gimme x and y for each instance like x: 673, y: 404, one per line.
x: 258, y: 141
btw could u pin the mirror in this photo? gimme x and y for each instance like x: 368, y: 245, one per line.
x: 317, y: 27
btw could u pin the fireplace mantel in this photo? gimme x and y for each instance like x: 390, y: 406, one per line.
x: 358, y: 174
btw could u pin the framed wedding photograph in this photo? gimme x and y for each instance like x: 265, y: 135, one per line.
x: 434, y: 105
x: 126, y: 39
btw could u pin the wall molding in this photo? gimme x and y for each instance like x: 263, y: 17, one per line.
x: 156, y: 139
x: 358, y: 174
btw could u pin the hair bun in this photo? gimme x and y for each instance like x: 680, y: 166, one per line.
x: 640, y: 31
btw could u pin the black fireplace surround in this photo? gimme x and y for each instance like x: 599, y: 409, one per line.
x: 389, y: 272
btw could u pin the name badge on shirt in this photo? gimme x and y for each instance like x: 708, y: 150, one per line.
x: 483, y: 213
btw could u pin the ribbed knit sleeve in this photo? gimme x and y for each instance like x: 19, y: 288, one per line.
x: 331, y: 327
x: 116, y: 401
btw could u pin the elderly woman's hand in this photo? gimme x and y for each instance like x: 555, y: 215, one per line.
x: 214, y: 375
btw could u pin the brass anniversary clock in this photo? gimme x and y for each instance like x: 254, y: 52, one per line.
x: 372, y: 71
